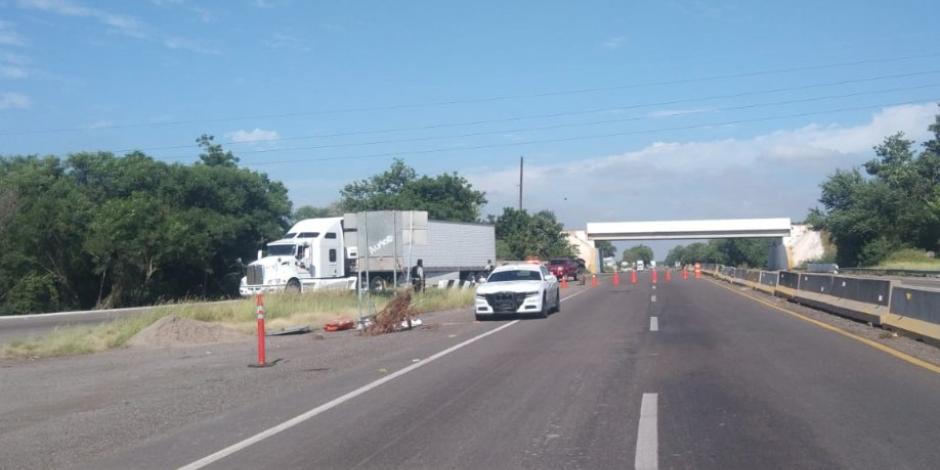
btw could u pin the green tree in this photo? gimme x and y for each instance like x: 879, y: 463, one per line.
x: 895, y: 204
x: 313, y: 212
x: 605, y: 248
x: 213, y: 155
x: 638, y: 252
x: 96, y: 229
x: 445, y: 197
x: 520, y: 235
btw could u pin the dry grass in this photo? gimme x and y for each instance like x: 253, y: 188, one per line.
x: 281, y: 310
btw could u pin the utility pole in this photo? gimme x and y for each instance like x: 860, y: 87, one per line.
x: 520, y: 182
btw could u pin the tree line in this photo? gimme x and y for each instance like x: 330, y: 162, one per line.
x: 95, y: 229
x: 891, y: 203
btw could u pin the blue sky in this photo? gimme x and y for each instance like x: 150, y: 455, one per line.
x: 275, y: 79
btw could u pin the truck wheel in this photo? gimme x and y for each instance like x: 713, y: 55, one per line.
x: 293, y: 287
x: 377, y: 284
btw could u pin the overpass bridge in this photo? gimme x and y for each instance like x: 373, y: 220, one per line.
x: 775, y: 228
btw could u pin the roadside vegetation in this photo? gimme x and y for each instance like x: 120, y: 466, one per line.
x: 888, y: 212
x: 911, y: 259
x: 281, y: 311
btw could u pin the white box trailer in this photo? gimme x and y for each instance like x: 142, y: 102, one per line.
x: 328, y: 252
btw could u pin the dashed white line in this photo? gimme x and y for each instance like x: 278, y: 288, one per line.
x: 654, y: 324
x: 210, y: 459
x: 647, y: 436
x: 653, y: 298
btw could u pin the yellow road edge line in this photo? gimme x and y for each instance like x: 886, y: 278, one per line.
x: 886, y: 349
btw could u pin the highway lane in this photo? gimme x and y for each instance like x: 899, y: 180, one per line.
x: 723, y: 382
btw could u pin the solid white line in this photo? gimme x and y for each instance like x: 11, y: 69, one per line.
x: 647, y: 436
x: 210, y: 459
x: 654, y: 324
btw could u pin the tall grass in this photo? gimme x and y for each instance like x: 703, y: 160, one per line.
x: 911, y: 259
x: 281, y: 310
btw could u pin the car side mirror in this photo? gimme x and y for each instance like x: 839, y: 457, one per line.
x: 552, y: 277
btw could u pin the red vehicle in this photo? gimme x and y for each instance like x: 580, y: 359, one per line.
x: 565, y: 268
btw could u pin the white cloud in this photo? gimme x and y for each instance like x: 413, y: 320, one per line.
x: 12, y: 71
x: 614, y: 42
x: 190, y: 45
x: 121, y: 23
x: 775, y: 174
x: 9, y: 100
x: 286, y: 41
x: 9, y: 36
x: 665, y: 113
x: 255, y: 135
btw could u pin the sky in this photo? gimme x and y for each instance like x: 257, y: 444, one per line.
x: 623, y: 111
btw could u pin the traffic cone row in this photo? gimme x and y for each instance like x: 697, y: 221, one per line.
x: 616, y: 278
x: 633, y: 277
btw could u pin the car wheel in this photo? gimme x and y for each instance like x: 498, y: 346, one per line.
x: 557, y: 302
x: 479, y: 317
x: 544, y: 312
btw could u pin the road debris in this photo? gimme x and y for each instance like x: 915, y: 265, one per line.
x: 294, y: 330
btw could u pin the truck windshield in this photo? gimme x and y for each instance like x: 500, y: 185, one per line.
x: 280, y: 250
x: 518, y: 275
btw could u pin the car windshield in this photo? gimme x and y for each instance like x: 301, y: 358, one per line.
x: 280, y: 250
x: 515, y: 275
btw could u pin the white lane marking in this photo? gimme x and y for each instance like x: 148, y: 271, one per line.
x: 654, y: 286
x: 210, y: 459
x: 647, y: 436
x: 653, y: 298
x: 654, y: 324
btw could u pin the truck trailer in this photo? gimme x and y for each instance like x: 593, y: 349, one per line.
x: 327, y: 252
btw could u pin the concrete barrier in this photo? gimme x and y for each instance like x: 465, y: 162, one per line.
x: 915, y: 311
x: 909, y: 309
x: 860, y: 299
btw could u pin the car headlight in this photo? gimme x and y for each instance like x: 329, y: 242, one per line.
x: 532, y: 295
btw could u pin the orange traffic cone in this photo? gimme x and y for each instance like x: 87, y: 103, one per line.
x: 564, y: 282
x: 616, y: 278
x: 593, y: 280
x: 654, y: 276
x: 668, y: 275
x: 685, y: 274
x: 633, y: 277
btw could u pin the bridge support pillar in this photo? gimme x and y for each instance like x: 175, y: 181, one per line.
x: 777, y: 257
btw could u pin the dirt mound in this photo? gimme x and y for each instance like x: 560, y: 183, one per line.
x: 175, y: 331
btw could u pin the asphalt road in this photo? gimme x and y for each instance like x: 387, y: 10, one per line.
x: 723, y: 382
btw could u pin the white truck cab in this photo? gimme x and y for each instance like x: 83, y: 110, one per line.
x: 311, y: 255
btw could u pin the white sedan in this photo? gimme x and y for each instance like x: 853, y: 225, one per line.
x: 520, y: 288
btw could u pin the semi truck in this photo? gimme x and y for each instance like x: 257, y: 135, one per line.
x: 327, y: 252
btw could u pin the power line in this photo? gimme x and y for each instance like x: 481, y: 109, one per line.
x: 564, y: 126
x: 593, y: 136
x: 554, y: 114
x: 758, y: 73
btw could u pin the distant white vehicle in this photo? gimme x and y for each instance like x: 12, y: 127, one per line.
x: 518, y: 288
x: 639, y: 265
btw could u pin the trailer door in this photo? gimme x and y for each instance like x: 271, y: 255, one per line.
x: 330, y: 254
